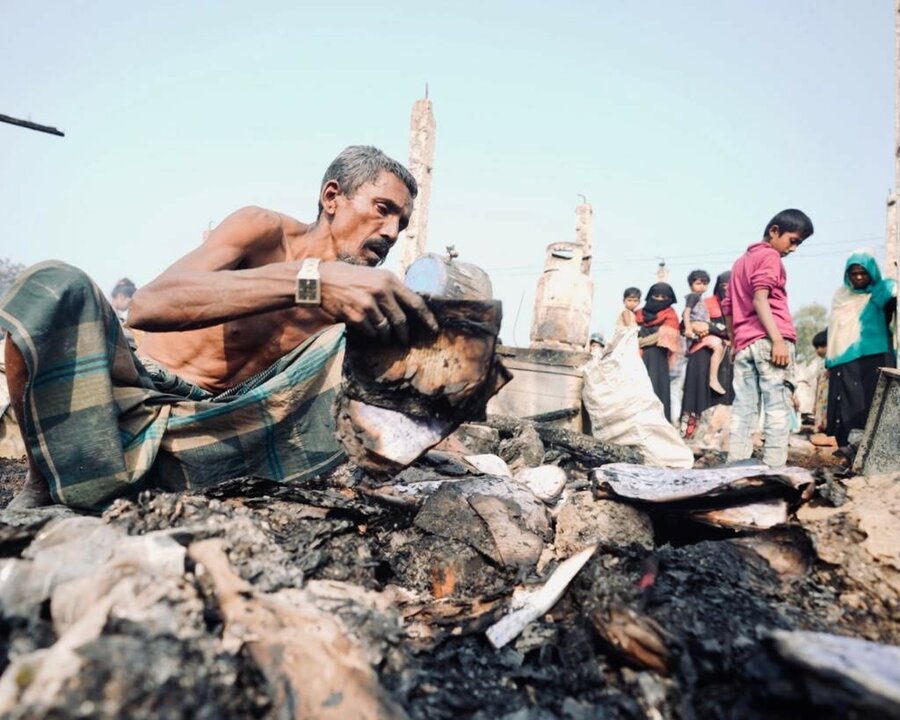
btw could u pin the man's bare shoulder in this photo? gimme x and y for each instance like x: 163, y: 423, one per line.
x: 250, y: 221
x: 259, y: 226
x: 292, y: 226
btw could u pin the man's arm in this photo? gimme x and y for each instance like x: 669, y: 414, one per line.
x: 204, y: 288
x: 780, y: 356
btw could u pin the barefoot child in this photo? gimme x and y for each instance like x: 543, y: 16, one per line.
x: 631, y: 298
x: 696, y: 326
x: 763, y: 336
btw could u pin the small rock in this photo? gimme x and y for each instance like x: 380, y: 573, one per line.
x: 480, y: 439
x: 823, y: 440
x: 583, y: 521
x: 545, y: 481
x: 489, y: 464
x: 524, y: 450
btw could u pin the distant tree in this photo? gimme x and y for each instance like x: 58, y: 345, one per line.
x: 9, y: 271
x: 809, y: 320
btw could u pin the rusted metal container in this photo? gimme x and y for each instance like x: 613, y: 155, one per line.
x: 562, y: 303
x: 446, y: 277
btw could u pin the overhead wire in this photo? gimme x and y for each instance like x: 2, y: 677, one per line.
x: 598, y: 265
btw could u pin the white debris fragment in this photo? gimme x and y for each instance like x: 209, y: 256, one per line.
x: 531, y: 604
x: 545, y: 481
x: 489, y: 464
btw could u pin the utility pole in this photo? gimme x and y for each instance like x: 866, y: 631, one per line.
x: 892, y: 243
x: 584, y: 227
x: 421, y: 165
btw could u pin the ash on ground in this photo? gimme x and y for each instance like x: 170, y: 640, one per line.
x: 225, y: 604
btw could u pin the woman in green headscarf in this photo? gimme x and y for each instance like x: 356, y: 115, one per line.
x: 859, y: 342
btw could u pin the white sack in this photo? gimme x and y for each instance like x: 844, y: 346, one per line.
x: 624, y: 409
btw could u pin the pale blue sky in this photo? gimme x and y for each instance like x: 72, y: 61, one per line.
x: 687, y: 125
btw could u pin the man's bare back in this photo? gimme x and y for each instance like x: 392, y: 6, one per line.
x: 226, y: 311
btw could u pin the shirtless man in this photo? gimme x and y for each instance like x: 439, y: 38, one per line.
x: 228, y: 310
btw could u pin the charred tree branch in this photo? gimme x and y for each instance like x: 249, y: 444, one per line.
x: 31, y: 126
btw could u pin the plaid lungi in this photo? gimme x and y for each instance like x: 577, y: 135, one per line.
x: 102, y: 424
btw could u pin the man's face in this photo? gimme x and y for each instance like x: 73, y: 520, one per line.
x: 366, y: 225
x: 784, y: 242
x: 859, y: 277
x: 632, y: 302
x: 699, y: 286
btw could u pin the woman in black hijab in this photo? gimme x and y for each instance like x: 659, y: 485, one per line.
x: 658, y: 337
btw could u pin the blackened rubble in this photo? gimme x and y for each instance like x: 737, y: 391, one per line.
x: 418, y: 597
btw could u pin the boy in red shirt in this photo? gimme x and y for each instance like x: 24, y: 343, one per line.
x: 763, y: 336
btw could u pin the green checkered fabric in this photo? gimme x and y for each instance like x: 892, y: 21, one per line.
x: 101, y: 424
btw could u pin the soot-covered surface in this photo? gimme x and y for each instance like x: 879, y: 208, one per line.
x: 710, y: 601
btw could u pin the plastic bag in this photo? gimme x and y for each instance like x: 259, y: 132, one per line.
x: 623, y: 408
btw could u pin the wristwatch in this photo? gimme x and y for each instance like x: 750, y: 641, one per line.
x: 309, y: 284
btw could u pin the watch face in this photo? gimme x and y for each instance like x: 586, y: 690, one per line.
x: 307, y: 290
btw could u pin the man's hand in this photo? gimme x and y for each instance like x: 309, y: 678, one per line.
x: 780, y: 355
x: 371, y: 300
x: 795, y: 398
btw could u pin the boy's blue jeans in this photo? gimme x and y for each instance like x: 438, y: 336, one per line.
x: 757, y: 379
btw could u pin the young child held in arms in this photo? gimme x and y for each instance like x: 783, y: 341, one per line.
x: 696, y: 311
x: 631, y: 299
x: 763, y: 336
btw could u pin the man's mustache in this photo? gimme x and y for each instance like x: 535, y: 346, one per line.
x: 380, y: 246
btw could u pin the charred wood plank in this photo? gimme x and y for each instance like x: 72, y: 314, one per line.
x: 396, y: 402
x: 583, y: 448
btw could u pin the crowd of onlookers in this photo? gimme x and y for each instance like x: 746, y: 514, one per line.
x: 735, y: 346
x: 686, y: 354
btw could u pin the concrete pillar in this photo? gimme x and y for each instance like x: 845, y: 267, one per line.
x: 421, y: 164
x: 584, y: 231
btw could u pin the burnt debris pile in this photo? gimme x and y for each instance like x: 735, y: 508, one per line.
x: 518, y: 571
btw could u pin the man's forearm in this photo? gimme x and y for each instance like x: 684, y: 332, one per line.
x: 729, y: 328
x: 197, y: 299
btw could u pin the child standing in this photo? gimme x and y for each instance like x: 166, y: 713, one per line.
x: 820, y: 404
x: 763, y: 336
x: 696, y: 311
x: 631, y: 298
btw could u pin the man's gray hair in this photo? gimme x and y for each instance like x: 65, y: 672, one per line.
x: 361, y: 164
